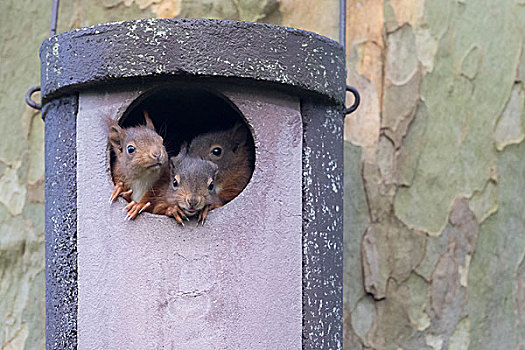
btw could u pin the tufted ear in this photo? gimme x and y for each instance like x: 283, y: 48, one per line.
x: 183, y: 150
x: 149, y: 123
x: 175, y: 163
x: 117, y: 136
x: 239, y: 135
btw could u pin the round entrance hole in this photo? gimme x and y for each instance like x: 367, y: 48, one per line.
x: 207, y: 125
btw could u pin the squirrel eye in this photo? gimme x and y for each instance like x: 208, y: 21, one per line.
x: 175, y: 183
x: 131, y: 149
x: 217, y: 151
x: 211, y: 186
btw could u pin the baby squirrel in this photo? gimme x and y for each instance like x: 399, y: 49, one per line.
x: 140, y: 165
x: 232, y: 152
x: 190, y: 190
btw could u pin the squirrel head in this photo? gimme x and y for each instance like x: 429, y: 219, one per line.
x: 139, y: 149
x: 221, y: 147
x: 192, y: 182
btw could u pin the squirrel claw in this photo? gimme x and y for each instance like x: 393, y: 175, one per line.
x: 134, y: 209
x: 117, y: 190
x: 127, y: 195
x: 177, y: 214
x: 129, y: 209
x: 178, y: 219
x: 146, y: 206
x: 202, y: 216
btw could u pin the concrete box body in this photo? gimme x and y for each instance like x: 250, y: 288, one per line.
x: 265, y: 272
x: 234, y: 283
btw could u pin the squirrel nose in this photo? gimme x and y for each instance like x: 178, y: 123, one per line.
x: 156, y: 154
x: 193, y: 201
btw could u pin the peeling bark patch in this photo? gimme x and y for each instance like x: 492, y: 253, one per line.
x: 349, y: 336
x: 390, y: 250
x: 460, y: 339
x: 363, y: 316
x: 407, y: 156
x: 356, y: 221
x: 462, y: 236
x: 520, y: 300
x: 485, y: 203
x: 510, y: 127
x: 401, y: 63
x: 371, y: 265
x: 452, y: 115
x: 445, y: 284
x: 392, y: 328
x: 400, y: 105
x: 471, y: 63
x: 496, y: 270
x: 457, y: 152
x: 12, y: 191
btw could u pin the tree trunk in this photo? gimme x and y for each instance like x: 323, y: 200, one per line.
x: 434, y: 230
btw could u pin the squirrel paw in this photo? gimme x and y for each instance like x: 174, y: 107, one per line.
x: 127, y: 195
x: 117, y: 190
x: 120, y: 191
x: 176, y: 213
x: 202, y: 215
x: 134, y: 209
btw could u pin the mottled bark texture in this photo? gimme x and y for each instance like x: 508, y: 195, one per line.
x: 434, y: 230
x: 434, y: 175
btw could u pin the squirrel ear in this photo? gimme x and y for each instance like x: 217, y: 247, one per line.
x: 176, y: 160
x: 173, y: 161
x: 239, y: 133
x: 183, y: 150
x: 149, y: 123
x: 116, y: 137
x: 174, y: 165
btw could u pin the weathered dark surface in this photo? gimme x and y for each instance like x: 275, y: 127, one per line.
x: 322, y: 226
x: 61, y: 223
x: 192, y: 48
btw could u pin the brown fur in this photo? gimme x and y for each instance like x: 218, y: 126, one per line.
x: 143, y: 170
x: 192, y: 195
x: 235, y: 163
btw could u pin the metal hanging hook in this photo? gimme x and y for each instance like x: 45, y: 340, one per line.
x: 30, y: 101
x: 52, y: 31
x: 357, y: 100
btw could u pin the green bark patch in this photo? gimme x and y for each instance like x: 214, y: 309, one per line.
x: 462, y: 107
x: 390, y: 251
x: 510, y: 127
x: 485, y: 203
x: 355, y: 223
x: 494, y: 279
